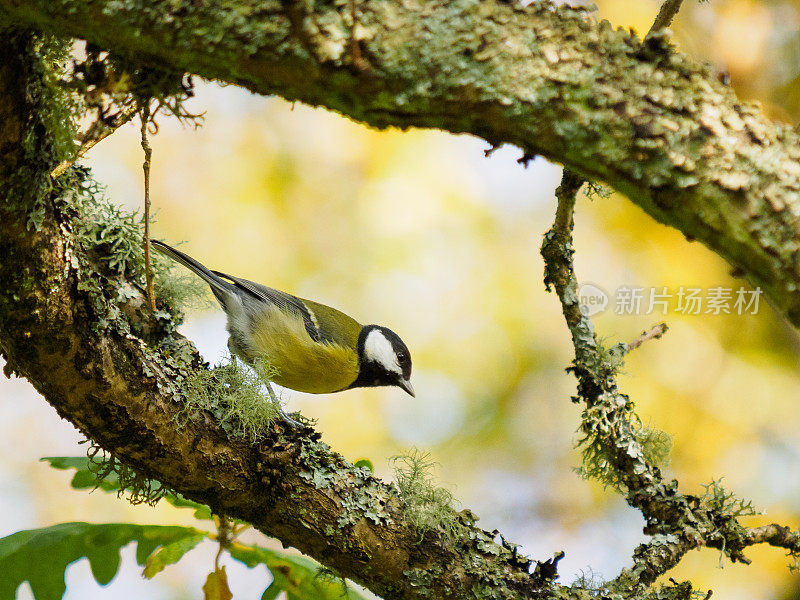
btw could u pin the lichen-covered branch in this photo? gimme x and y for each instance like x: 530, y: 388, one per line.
x: 775, y: 535
x: 654, y: 333
x: 639, y: 116
x: 74, y: 322
x: 94, y: 136
x: 618, y: 450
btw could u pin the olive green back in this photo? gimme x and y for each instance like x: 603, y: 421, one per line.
x: 334, y: 324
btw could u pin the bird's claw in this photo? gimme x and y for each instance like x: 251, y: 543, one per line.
x: 294, y: 424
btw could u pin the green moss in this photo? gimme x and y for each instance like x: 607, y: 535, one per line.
x: 49, y: 121
x: 427, y: 507
x: 63, y: 110
x: 235, y: 395
x: 107, y: 253
x: 176, y: 287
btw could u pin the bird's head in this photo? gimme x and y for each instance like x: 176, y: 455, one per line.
x: 383, y: 359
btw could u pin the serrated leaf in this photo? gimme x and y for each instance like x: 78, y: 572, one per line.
x: 216, y: 586
x: 298, y: 576
x: 85, y: 478
x: 201, y: 511
x: 170, y: 554
x: 41, y: 556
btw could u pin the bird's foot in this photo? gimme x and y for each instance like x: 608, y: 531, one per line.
x: 297, y: 423
x: 294, y: 424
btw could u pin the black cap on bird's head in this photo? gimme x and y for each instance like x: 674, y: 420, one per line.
x: 383, y: 359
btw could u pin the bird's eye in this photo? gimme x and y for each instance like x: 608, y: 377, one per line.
x: 401, y: 356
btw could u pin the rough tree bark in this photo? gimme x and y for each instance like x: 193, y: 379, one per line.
x: 121, y: 393
x: 640, y: 117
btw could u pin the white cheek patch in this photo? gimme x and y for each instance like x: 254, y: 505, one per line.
x: 380, y: 350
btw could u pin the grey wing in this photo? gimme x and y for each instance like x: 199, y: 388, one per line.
x: 285, y: 302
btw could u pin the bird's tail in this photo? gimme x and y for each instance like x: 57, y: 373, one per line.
x: 217, y: 284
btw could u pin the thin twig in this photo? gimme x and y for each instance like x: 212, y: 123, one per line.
x: 776, y: 535
x: 94, y: 136
x: 653, y: 333
x: 665, y: 15
x: 642, y: 482
x: 557, y: 253
x: 148, y: 153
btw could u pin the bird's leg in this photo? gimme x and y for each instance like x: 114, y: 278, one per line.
x: 281, y: 413
x: 272, y: 395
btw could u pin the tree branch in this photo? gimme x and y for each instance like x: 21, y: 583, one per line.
x: 775, y: 535
x: 641, y: 117
x: 65, y: 329
x: 654, y: 333
x: 614, y: 447
x: 94, y: 136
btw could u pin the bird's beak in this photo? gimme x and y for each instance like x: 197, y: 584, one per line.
x: 406, y: 385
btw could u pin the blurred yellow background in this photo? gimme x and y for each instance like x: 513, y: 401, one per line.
x: 420, y: 232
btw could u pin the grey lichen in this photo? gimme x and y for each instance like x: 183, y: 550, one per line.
x: 611, y: 430
x: 421, y: 579
x: 362, y: 496
x: 725, y: 502
x: 235, y: 395
x: 427, y: 506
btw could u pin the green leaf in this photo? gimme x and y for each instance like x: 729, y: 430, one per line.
x: 40, y: 556
x: 85, y: 478
x: 201, y: 511
x: 271, y: 592
x: 298, y: 576
x: 365, y: 462
x: 170, y: 554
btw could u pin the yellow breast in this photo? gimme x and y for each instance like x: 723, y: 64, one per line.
x: 301, y: 363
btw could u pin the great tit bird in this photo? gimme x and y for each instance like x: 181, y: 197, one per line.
x: 312, y: 347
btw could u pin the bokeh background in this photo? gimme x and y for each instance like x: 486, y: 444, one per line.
x: 420, y: 232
